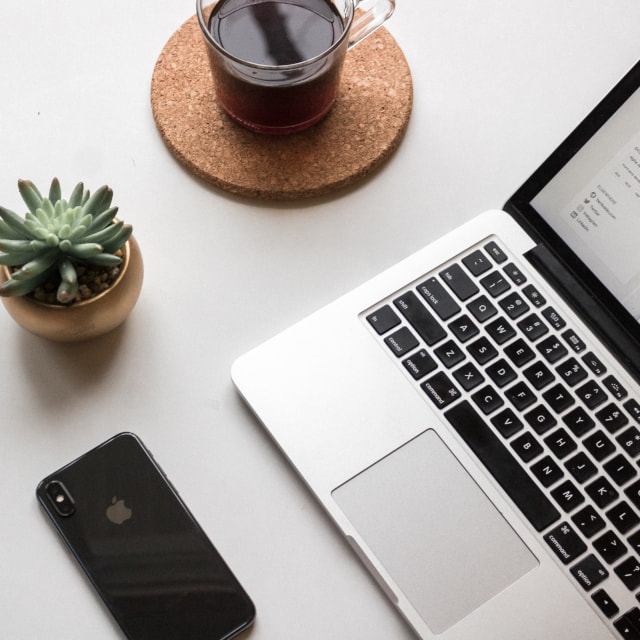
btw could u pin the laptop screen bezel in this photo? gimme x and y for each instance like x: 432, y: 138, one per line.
x: 520, y: 204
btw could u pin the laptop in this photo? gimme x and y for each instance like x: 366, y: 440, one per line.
x: 470, y: 418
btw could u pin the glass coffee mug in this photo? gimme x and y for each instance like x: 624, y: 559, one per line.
x: 276, y: 64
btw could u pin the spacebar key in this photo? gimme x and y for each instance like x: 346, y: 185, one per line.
x: 515, y: 481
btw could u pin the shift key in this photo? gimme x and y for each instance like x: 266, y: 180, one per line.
x: 419, y: 317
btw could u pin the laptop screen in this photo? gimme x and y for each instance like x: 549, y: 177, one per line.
x: 593, y: 203
x: 583, y: 204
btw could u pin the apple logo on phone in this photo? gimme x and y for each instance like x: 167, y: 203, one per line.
x: 117, y: 512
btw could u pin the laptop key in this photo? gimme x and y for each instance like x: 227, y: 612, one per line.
x: 427, y: 327
x: 558, y: 398
x: 552, y: 349
x: 383, y: 320
x: 459, y: 282
x: 626, y: 627
x: 554, y: 318
x: 477, y: 262
x: 482, y: 309
x: 440, y: 390
x: 567, y: 496
x: 534, y: 296
x: 468, y: 376
x: 507, y: 423
x: 565, y: 543
x: 401, y: 341
x: 591, y: 394
x: 608, y: 607
x: 495, y: 284
x: 449, y: 354
x: 487, y: 399
x: 581, y: 467
x: 463, y: 328
x: 579, y: 421
x: 633, y: 407
x: 482, y: 350
x: 513, y: 305
x: 612, y: 418
x: 588, y: 521
x: 533, y: 327
x: 438, y: 298
x: 624, y: 518
x: 494, y: 250
x: 520, y: 396
x: 506, y: 470
x: 419, y: 364
x: 547, y: 471
x: 571, y: 371
x: 514, y: 273
x: 519, y: 352
x: 610, y: 547
x: 594, y: 363
x: 527, y: 447
x: 574, y: 341
x: 629, y: 572
x: 629, y: 440
x: 500, y: 330
x: 589, y: 572
x: 615, y: 388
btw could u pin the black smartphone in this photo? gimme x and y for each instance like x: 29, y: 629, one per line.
x: 148, y: 558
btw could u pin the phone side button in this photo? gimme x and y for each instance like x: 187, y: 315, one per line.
x: 370, y: 567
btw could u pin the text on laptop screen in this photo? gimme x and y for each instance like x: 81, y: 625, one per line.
x: 600, y: 218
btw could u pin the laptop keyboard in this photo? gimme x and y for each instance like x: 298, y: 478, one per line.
x: 532, y: 397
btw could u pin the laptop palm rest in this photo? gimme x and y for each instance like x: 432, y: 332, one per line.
x: 434, y: 531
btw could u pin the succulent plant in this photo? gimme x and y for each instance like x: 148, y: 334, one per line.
x: 56, y: 235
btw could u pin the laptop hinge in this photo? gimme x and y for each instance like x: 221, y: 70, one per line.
x: 599, y: 320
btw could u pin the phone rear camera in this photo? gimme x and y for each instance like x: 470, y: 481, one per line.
x: 60, y: 498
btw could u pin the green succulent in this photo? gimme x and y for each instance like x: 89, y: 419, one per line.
x: 56, y: 235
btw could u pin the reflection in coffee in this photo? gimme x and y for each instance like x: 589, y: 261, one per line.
x: 268, y: 33
x: 275, y: 33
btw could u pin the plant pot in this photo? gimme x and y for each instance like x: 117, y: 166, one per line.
x: 87, y: 319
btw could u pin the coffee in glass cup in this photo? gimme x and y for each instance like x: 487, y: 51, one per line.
x: 277, y: 64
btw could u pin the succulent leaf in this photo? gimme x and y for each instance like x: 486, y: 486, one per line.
x: 67, y: 292
x: 68, y: 271
x: 102, y: 220
x: 30, y: 194
x: 13, y: 222
x: 99, y: 201
x: 36, y: 266
x: 54, y: 191
x: 84, y: 251
x: 21, y: 287
x: 75, y: 200
x: 104, y: 235
x: 106, y: 260
x: 16, y: 258
x: 118, y: 240
x: 14, y: 245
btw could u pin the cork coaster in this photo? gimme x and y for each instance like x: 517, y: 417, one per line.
x: 365, y: 125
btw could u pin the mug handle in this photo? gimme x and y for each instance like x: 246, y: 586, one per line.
x: 368, y: 16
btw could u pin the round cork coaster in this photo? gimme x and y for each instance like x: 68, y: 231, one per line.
x: 365, y: 125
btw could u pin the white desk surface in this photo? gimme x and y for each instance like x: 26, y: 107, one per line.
x: 497, y: 85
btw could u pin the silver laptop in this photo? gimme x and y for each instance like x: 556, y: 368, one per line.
x: 470, y: 418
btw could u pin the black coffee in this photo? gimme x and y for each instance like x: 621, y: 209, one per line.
x: 275, y: 33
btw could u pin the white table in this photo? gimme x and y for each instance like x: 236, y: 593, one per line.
x: 497, y: 86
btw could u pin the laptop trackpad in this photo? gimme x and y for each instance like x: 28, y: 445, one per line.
x: 434, y: 530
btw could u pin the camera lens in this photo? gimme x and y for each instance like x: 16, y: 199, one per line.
x: 60, y: 498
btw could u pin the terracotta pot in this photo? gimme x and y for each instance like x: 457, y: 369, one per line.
x: 87, y: 319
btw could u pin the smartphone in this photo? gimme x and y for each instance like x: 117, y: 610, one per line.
x: 143, y: 551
